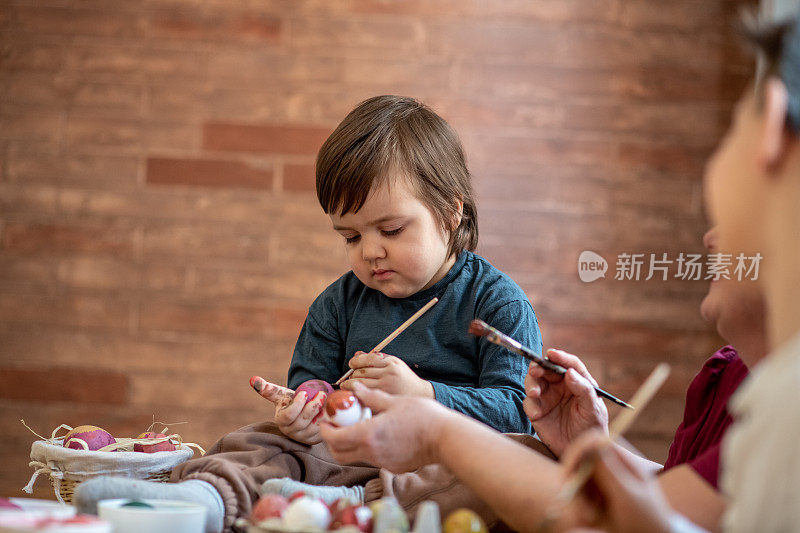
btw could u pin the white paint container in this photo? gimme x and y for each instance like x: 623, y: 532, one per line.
x: 164, y: 515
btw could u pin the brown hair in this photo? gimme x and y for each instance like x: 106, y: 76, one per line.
x: 394, y: 132
x: 779, y: 46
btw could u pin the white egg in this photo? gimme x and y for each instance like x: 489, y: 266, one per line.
x: 348, y: 416
x: 307, y: 513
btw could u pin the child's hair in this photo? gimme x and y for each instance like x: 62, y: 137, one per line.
x: 779, y: 44
x: 388, y: 133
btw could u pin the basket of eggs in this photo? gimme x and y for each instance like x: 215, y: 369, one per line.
x: 89, y: 451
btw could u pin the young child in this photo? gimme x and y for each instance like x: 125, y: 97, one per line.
x: 393, y: 179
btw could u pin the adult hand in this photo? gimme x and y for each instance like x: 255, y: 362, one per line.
x: 630, y: 498
x: 388, y: 373
x: 401, y: 436
x: 295, y: 418
x: 562, y: 407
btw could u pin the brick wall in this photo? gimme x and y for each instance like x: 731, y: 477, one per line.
x: 159, y: 236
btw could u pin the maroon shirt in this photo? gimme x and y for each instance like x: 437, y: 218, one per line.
x: 705, y: 419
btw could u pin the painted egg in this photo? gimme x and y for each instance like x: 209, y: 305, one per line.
x: 295, y: 495
x: 165, y: 446
x: 307, y: 513
x: 341, y: 503
x: 312, y: 387
x: 428, y: 519
x: 358, y: 516
x: 7, y: 504
x: 342, y: 408
x: 464, y: 521
x: 388, y: 516
x: 269, y: 506
x: 88, y: 438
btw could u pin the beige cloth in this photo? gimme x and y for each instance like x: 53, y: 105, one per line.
x: 241, y: 461
x: 761, y: 466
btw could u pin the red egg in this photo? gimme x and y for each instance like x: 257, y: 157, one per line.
x: 358, y: 516
x: 165, y: 446
x: 268, y: 506
x: 296, y: 494
x: 337, y: 505
x: 343, y: 409
x: 94, y: 437
x: 312, y: 387
x: 339, y: 400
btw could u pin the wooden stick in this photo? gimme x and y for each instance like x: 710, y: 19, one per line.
x: 618, y: 426
x: 394, y: 334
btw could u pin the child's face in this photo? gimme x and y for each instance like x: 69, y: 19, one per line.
x: 394, y: 242
x: 734, y: 190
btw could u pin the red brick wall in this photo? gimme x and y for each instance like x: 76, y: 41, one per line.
x: 160, y: 240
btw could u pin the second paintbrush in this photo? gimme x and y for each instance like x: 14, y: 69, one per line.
x: 479, y: 328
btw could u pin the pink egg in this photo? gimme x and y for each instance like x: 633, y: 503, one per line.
x: 269, y: 506
x: 7, y: 504
x: 94, y: 437
x: 165, y: 446
x: 312, y: 387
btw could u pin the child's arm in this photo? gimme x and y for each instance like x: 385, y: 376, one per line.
x: 497, y: 399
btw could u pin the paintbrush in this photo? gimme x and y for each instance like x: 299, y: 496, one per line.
x: 393, y: 335
x: 479, y: 328
x: 619, y: 426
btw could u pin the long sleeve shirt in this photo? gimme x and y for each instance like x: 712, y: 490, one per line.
x: 468, y: 374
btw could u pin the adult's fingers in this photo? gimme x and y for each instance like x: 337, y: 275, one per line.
x: 375, y: 399
x: 568, y: 360
x: 532, y: 408
x: 342, y: 439
x: 581, y: 388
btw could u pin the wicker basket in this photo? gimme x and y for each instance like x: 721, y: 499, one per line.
x: 67, y: 467
x: 66, y: 487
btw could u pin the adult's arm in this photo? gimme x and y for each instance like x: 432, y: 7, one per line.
x: 407, y: 433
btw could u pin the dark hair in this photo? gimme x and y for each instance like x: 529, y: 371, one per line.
x: 779, y: 44
x: 385, y: 133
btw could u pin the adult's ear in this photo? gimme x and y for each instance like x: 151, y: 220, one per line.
x: 774, y: 134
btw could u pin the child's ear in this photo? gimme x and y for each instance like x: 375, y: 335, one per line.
x: 459, y: 214
x: 774, y: 133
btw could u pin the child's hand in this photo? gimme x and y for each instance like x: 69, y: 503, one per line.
x: 387, y: 373
x: 270, y: 391
x: 298, y: 420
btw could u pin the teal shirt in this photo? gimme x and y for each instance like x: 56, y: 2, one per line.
x: 469, y: 374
